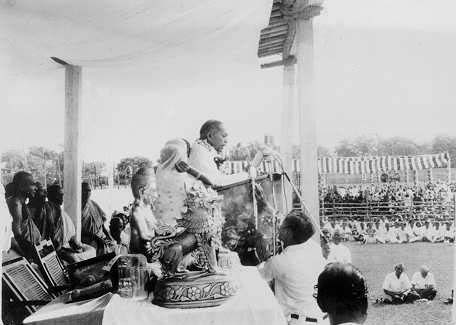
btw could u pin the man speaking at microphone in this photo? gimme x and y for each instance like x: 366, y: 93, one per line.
x: 295, y: 271
x: 206, y: 155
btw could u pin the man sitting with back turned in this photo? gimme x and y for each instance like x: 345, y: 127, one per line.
x: 338, y: 252
x: 295, y: 271
x: 342, y: 293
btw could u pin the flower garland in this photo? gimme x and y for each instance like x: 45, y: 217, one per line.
x: 200, y: 213
x: 198, y: 196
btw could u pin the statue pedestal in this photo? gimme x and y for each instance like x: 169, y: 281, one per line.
x: 194, y: 290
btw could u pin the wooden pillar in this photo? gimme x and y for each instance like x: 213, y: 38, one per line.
x: 288, y: 122
x: 307, y: 123
x: 5, y: 231
x: 73, y: 164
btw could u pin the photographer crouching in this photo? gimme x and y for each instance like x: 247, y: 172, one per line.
x: 296, y: 269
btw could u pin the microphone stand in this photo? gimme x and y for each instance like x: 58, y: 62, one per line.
x: 274, y: 204
x: 254, y: 200
x: 298, y: 194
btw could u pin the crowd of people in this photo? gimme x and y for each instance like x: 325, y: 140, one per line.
x: 383, y: 231
x: 398, y: 193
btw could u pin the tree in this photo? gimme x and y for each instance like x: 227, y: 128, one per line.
x: 346, y: 148
x: 443, y: 143
x: 399, y: 146
x: 242, y: 152
x: 323, y: 152
x: 133, y: 164
x: 93, y: 169
x: 45, y: 165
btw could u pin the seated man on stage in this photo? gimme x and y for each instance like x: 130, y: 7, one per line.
x: 41, y: 213
x: 398, y: 288
x: 295, y: 271
x: 64, y: 232
x: 93, y: 231
x: 423, y: 283
x: 25, y: 231
x: 143, y: 223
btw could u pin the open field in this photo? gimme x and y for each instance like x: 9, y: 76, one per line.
x: 375, y: 261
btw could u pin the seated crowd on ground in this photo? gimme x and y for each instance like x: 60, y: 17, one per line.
x: 394, y: 231
x: 389, y: 193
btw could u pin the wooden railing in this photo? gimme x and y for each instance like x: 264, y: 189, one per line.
x: 368, y: 210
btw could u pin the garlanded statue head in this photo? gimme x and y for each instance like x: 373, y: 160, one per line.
x: 200, y: 211
x: 143, y: 185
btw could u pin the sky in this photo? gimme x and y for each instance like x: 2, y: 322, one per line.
x: 382, y: 68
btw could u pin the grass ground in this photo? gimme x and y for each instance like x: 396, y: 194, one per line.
x: 375, y: 261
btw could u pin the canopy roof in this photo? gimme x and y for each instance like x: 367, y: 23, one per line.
x: 277, y: 38
x: 106, y: 33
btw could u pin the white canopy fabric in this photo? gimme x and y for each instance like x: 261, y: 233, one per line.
x: 151, y: 34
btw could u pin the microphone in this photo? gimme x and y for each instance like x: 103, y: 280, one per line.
x: 183, y: 167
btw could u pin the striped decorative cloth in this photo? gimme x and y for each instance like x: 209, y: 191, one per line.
x: 353, y: 165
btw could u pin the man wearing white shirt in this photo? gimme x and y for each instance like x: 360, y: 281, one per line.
x: 427, y: 232
x: 205, y: 154
x: 295, y: 271
x: 397, y: 286
x: 338, y: 252
x: 403, y: 234
x: 448, y: 233
x: 391, y: 234
x: 437, y: 235
x: 423, y: 283
x: 380, y: 236
x: 418, y: 233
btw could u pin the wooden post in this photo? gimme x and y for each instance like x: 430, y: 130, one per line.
x: 73, y: 165
x: 449, y: 168
x: 5, y: 232
x: 307, y: 123
x: 288, y: 118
